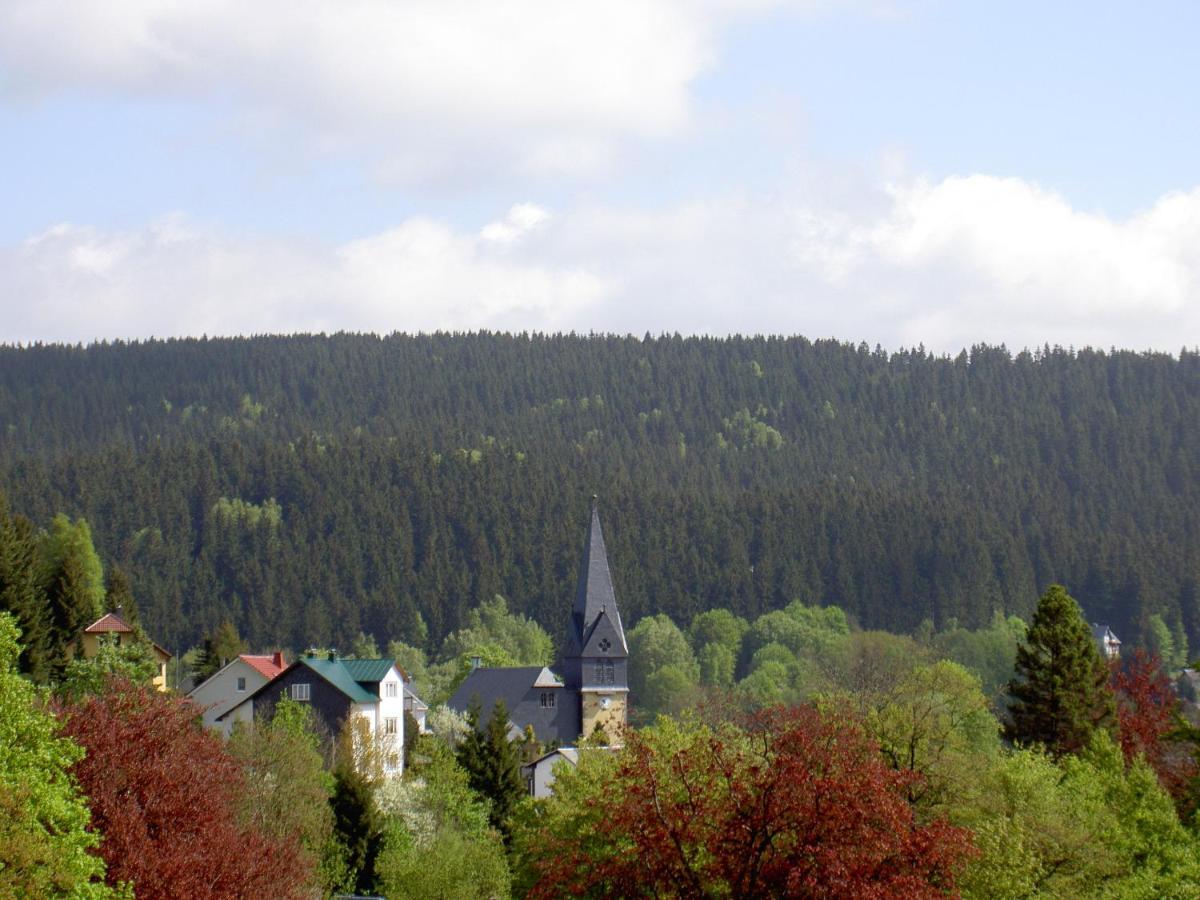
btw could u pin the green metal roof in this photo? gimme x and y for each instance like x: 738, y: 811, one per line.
x: 372, y: 670
x: 336, y: 673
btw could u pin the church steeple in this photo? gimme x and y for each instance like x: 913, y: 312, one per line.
x: 597, y: 660
x: 595, y: 606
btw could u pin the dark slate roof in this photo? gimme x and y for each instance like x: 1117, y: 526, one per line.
x: 595, y: 593
x: 490, y: 685
x: 368, y: 670
x: 604, y: 638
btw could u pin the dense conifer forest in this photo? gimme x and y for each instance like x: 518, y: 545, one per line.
x: 313, y: 487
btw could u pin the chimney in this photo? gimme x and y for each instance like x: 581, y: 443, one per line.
x: 277, y: 659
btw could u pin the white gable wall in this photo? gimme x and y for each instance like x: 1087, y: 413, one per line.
x: 219, y: 694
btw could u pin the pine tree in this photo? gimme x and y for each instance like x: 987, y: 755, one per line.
x: 1060, y: 692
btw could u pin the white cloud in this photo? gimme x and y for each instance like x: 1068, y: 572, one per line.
x: 75, y: 283
x: 946, y: 264
x: 443, y: 84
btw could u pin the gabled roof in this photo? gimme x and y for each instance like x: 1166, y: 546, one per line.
x: 570, y: 754
x: 335, y: 672
x: 547, y: 679
x: 1103, y: 633
x: 267, y: 666
x: 109, y: 622
x: 368, y: 670
x: 112, y: 623
x: 595, y: 593
x: 416, y: 702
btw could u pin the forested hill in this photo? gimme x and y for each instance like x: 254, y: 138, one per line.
x: 310, y: 487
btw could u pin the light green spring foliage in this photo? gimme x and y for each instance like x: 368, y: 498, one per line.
x: 937, y: 723
x: 1084, y: 827
x: 240, y: 513
x: 132, y: 660
x: 1169, y: 643
x: 491, y: 624
x: 988, y: 652
x: 570, y: 812
x: 720, y: 627
x: 814, y: 632
x: 663, y: 671
x: 73, y: 540
x: 437, y: 842
x: 287, y: 788
x: 497, y: 636
x: 44, y: 843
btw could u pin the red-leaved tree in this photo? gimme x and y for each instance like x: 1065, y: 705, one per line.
x: 1148, y: 725
x: 796, y: 803
x: 161, y: 790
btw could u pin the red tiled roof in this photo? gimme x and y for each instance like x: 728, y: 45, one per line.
x: 108, y: 622
x: 268, y: 666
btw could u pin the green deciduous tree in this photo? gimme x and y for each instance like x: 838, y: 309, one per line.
x: 1060, y: 693
x: 287, y: 789
x: 656, y: 643
x: 1082, y: 827
x: 439, y: 842
x: 44, y: 841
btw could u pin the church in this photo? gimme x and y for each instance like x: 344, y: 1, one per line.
x: 588, y: 690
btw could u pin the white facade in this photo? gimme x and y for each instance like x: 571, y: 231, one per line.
x: 385, y: 719
x: 226, y: 689
x: 539, y: 774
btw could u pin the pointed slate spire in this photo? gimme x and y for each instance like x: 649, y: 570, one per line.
x: 595, y: 599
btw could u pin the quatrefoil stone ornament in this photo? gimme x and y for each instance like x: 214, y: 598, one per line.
x: 605, y: 645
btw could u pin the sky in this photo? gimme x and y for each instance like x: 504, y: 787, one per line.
x: 899, y: 172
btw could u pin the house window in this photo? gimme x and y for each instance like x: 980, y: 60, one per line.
x: 389, y: 726
x: 301, y: 692
x: 241, y: 685
x: 547, y: 699
x: 389, y: 689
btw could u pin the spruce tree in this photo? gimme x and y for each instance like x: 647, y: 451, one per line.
x: 1060, y: 692
x: 492, y: 764
x: 118, y: 596
x: 21, y: 595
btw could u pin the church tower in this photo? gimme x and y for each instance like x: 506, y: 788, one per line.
x: 596, y: 664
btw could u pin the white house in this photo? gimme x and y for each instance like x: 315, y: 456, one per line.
x: 539, y: 774
x: 1106, y: 642
x: 365, y: 692
x: 226, y: 688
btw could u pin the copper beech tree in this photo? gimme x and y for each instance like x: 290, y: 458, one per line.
x: 1149, y: 725
x: 163, y: 794
x: 794, y: 803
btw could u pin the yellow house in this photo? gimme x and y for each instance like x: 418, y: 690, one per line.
x: 112, y: 627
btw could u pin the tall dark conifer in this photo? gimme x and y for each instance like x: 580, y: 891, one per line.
x: 1060, y: 693
x: 493, y: 764
x: 21, y: 595
x: 72, y: 609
